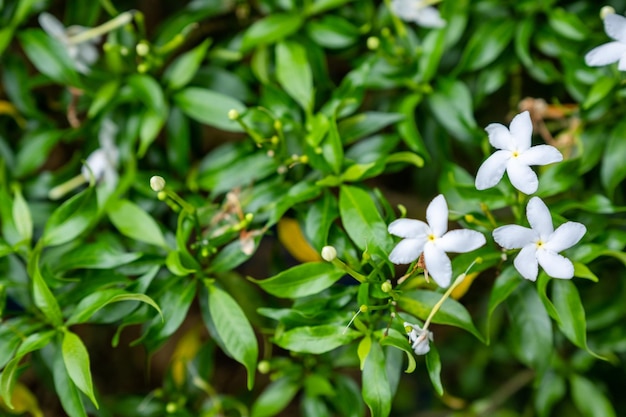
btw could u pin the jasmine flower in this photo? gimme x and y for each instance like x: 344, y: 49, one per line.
x: 102, y: 163
x: 540, y: 244
x: 433, y: 240
x: 515, y: 155
x: 418, y: 11
x: 419, y: 338
x: 615, y: 51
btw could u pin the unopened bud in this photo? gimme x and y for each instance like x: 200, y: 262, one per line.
x: 304, y: 159
x: 171, y: 407
x: 142, y: 49
x: 264, y: 367
x: 281, y: 170
x: 274, y: 140
x: 470, y: 218
x: 142, y: 68
x: 386, y: 286
x: 329, y: 253
x: 373, y: 43
x: 605, y: 11
x: 233, y: 114
x: 278, y: 125
x: 157, y: 183
x: 162, y: 195
x: 363, y: 308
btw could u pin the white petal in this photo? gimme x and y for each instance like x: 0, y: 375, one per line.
x: 555, y: 265
x: 615, y: 27
x: 98, y: 164
x: 437, y: 215
x: 500, y: 137
x: 438, y: 264
x: 565, y: 236
x: 621, y: 64
x: 526, y: 262
x: 522, y: 176
x: 409, y: 228
x: 88, y: 53
x: 429, y: 17
x: 522, y: 130
x: 461, y: 241
x: 406, y: 251
x: 491, y: 171
x: 605, y: 54
x: 52, y: 26
x: 514, y: 236
x: 540, y: 155
x: 539, y: 218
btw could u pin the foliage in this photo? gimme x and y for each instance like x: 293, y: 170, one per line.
x: 213, y: 184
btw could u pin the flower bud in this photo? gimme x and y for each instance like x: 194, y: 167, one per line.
x: 373, y: 43
x: 233, y: 114
x: 386, y: 286
x: 329, y: 253
x: 162, y: 195
x: 264, y: 367
x: 142, y: 49
x: 605, y: 11
x: 157, y: 183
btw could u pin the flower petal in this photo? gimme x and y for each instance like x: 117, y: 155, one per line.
x: 429, y: 17
x: 540, y: 155
x: 438, y: 264
x: 621, y: 64
x: 526, y: 262
x: 409, y: 228
x: 555, y: 265
x: 461, y: 241
x: 491, y: 171
x: 539, y: 218
x: 514, y: 236
x: 522, y: 176
x: 605, y: 54
x: 406, y: 251
x: 52, y: 26
x: 437, y: 215
x: 522, y: 130
x: 500, y: 137
x: 565, y: 236
x: 615, y: 27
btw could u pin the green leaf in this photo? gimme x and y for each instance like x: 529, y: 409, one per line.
x: 487, y: 43
x: 175, y: 264
x: 35, y: 341
x: 294, y: 74
x: 76, y: 361
x: 572, y: 321
x: 613, y: 168
x: 151, y: 125
x: 433, y: 364
x: 209, y: 107
x: 567, y: 24
x: 234, y: 329
x: 396, y: 339
x: 589, y: 399
x: 65, y: 387
x: 407, y: 128
x: 361, y: 219
x: 36, y: 150
x: 70, y: 219
x: 270, y: 29
x: 599, y: 90
x: 550, y: 391
x: 332, y: 32
x: 451, y: 104
x: 333, y: 148
x: 49, y: 56
x: 301, y: 280
x: 149, y: 92
x: 505, y: 284
x: 103, y: 96
x: 7, y: 380
x: 132, y: 221
x: 376, y: 390
x: 43, y: 297
x: 361, y: 125
x: 276, y: 396
x: 420, y: 303
x: 231, y: 256
x: 319, y: 218
x: 97, y: 255
x: 182, y: 69
x: 89, y: 305
x: 405, y: 157
x: 21, y: 216
x: 530, y: 330
x: 315, y: 339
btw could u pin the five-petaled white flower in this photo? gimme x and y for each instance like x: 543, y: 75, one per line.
x: 432, y: 240
x: 515, y: 155
x: 83, y: 54
x: 541, y: 244
x: 615, y: 27
x: 418, y: 11
x: 419, y: 338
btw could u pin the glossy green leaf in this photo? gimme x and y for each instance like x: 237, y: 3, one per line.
x: 451, y: 104
x: 132, y: 221
x: 375, y: 389
x: 407, y: 127
x: 599, y: 90
x: 361, y: 219
x: 103, y: 97
x: 270, y: 29
x: 420, y: 303
x: 301, y: 280
x: 398, y: 340
x: 70, y: 219
x: 89, y: 305
x: 21, y: 216
x: 234, y: 329
x: 66, y: 389
x: 294, y: 74
x: 333, y: 32
x: 151, y: 125
x: 182, y: 69
x: 551, y: 390
x: 44, y: 299
x: 276, y: 396
x: 505, y: 284
x: 49, y: 56
x: 175, y: 264
x: 530, y: 330
x: 36, y: 149
x: 487, y: 43
x: 8, y: 379
x: 589, y: 398
x: 613, y: 169
x: 209, y: 107
x: 76, y: 361
x: 97, y: 255
x: 361, y: 125
x: 333, y: 148
x: 567, y: 24
x: 319, y: 218
x: 315, y: 339
x: 149, y: 92
x: 433, y: 364
x: 242, y: 171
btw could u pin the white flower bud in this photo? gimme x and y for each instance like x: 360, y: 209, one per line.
x: 157, y: 183
x: 329, y: 253
x: 605, y: 11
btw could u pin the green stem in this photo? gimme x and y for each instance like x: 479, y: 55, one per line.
x: 103, y: 29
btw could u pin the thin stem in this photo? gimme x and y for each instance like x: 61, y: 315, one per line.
x: 103, y: 29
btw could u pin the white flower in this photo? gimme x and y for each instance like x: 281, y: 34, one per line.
x: 419, y: 339
x: 515, y: 155
x: 541, y: 244
x: 433, y: 241
x: 83, y: 54
x: 102, y: 163
x: 615, y: 27
x: 418, y: 11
